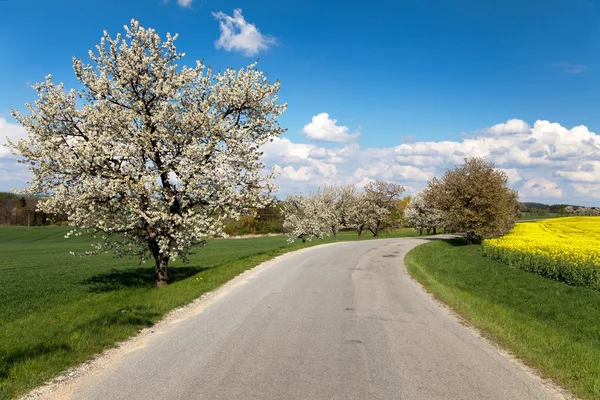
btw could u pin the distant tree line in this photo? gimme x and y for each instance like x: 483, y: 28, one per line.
x: 18, y: 210
x: 541, y: 210
x: 23, y: 211
x: 267, y: 220
x: 579, y: 210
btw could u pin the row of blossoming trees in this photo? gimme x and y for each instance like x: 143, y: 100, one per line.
x: 582, y: 211
x: 473, y: 198
x: 322, y: 213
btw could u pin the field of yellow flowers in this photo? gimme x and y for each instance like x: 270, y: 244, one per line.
x: 564, y: 249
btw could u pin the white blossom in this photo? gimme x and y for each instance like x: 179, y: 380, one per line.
x: 379, y: 203
x: 154, y: 156
x: 334, y: 201
x: 593, y: 211
x: 304, y: 218
x: 323, y: 212
x: 420, y: 215
x: 357, y: 217
x: 319, y: 214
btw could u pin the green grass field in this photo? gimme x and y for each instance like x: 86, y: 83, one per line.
x: 552, y: 326
x: 59, y: 310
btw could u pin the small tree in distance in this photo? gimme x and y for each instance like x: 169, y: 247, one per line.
x: 153, y: 157
x: 379, y: 201
x: 335, y: 201
x: 356, y: 217
x: 475, y: 198
x: 305, y: 217
x: 421, y: 215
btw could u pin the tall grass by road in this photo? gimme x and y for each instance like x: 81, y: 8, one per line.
x: 59, y: 310
x: 550, y: 325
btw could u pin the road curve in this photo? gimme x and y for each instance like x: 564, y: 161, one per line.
x: 340, y: 321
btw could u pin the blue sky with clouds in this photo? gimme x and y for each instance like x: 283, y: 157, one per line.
x: 396, y: 90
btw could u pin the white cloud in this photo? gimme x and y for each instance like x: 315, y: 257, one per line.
x: 185, y: 3
x: 545, y: 162
x: 587, y: 190
x: 239, y: 35
x: 14, y: 173
x: 11, y: 172
x: 304, y: 167
x: 13, y: 132
x: 510, y: 127
x: 301, y: 174
x: 540, y: 188
x: 326, y: 129
x: 513, y: 175
x: 586, y: 173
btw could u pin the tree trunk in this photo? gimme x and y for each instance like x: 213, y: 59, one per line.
x: 378, y: 229
x: 162, y: 273
x: 420, y: 231
x: 472, y: 237
x: 334, y: 230
x: 435, y: 231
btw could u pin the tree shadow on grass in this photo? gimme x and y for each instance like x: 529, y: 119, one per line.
x: 117, y: 279
x: 135, y: 316
x: 11, y: 358
x: 454, y: 242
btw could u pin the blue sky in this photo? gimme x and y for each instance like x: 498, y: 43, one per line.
x: 395, y: 72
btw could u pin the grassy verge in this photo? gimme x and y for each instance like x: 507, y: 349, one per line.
x: 551, y: 326
x: 59, y: 310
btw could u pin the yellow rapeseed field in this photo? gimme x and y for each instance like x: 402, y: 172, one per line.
x: 565, y: 249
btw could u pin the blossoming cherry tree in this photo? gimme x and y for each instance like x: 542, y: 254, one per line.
x: 152, y: 156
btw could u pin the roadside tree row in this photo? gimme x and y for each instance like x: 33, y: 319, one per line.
x: 325, y: 211
x: 473, y: 198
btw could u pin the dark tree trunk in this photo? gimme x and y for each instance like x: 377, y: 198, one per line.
x: 435, y: 231
x: 420, y: 231
x: 334, y: 230
x: 472, y: 237
x: 375, y: 230
x: 161, y: 271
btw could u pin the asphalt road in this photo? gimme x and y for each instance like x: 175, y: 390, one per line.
x: 340, y: 321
